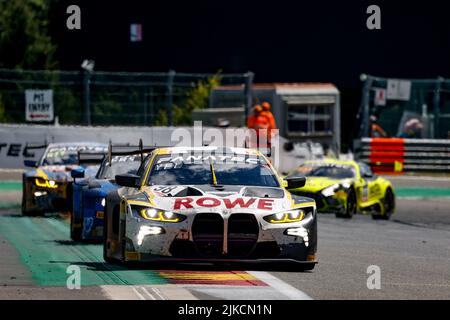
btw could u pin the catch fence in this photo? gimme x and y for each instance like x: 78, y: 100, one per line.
x: 114, y: 98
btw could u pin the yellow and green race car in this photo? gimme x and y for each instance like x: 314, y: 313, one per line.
x: 345, y: 188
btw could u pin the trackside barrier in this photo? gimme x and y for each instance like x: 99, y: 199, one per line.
x: 15, y: 141
x: 397, y: 155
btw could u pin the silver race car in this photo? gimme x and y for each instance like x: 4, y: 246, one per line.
x: 209, y: 204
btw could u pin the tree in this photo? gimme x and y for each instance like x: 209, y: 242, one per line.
x: 25, y: 42
x: 2, y: 111
x: 198, y: 97
x: 195, y: 98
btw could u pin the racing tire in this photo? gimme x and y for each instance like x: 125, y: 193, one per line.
x: 389, y: 206
x: 350, y: 208
x: 25, y: 212
x: 123, y: 261
x: 69, y: 198
x: 75, y: 232
x: 107, y: 258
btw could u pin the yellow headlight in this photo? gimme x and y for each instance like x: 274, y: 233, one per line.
x: 160, y: 215
x: 46, y: 183
x: 286, y: 217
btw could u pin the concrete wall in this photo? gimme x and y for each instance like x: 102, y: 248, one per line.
x: 13, y: 139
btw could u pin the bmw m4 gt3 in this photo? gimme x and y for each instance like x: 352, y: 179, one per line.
x: 209, y: 204
x: 45, y: 187
x: 89, y: 192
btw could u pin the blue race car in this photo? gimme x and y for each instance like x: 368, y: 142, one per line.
x: 47, y: 186
x: 86, y: 223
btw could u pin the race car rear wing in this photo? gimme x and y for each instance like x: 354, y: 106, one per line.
x: 89, y: 157
x: 128, y: 150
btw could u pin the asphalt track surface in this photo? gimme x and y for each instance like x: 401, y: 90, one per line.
x: 412, y: 252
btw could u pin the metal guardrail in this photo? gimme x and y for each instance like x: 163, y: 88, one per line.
x: 396, y: 155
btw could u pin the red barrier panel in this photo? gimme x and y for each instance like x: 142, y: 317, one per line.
x: 397, y: 155
x: 386, y: 155
x: 387, y: 141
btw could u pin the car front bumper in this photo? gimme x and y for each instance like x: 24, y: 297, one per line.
x: 93, y: 221
x: 46, y: 199
x: 330, y: 204
x: 185, y: 242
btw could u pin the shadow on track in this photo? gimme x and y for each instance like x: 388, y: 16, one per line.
x: 58, y: 216
x: 205, y: 267
x: 74, y: 243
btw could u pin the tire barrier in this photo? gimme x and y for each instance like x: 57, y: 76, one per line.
x: 398, y: 155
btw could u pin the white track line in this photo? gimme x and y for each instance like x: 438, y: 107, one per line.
x: 158, y: 292
x: 147, y: 293
x: 280, y: 286
x: 140, y: 296
x: 141, y: 292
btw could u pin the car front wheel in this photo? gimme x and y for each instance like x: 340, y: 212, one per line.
x: 75, y: 230
x: 25, y: 211
x: 389, y: 206
x: 350, y: 208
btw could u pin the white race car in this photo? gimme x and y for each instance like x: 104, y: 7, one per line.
x: 209, y: 204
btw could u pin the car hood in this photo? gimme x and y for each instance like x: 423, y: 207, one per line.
x: 315, y: 184
x: 226, y: 200
x: 57, y: 173
x: 99, y: 185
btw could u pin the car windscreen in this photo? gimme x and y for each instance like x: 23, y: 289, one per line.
x: 302, y: 171
x: 332, y: 171
x: 191, y: 169
x: 67, y: 155
x: 91, y: 170
x: 119, y: 165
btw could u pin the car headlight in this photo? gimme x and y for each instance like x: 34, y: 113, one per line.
x: 346, y: 185
x: 286, y: 217
x: 103, y: 202
x: 46, y: 183
x: 161, y: 215
x: 330, y: 191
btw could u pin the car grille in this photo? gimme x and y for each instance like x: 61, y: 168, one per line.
x: 207, y: 233
x: 243, y: 232
x: 266, y: 250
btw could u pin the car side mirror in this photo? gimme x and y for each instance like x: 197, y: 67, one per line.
x: 77, y: 173
x: 30, y: 163
x: 128, y: 180
x: 368, y: 175
x: 295, y: 182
